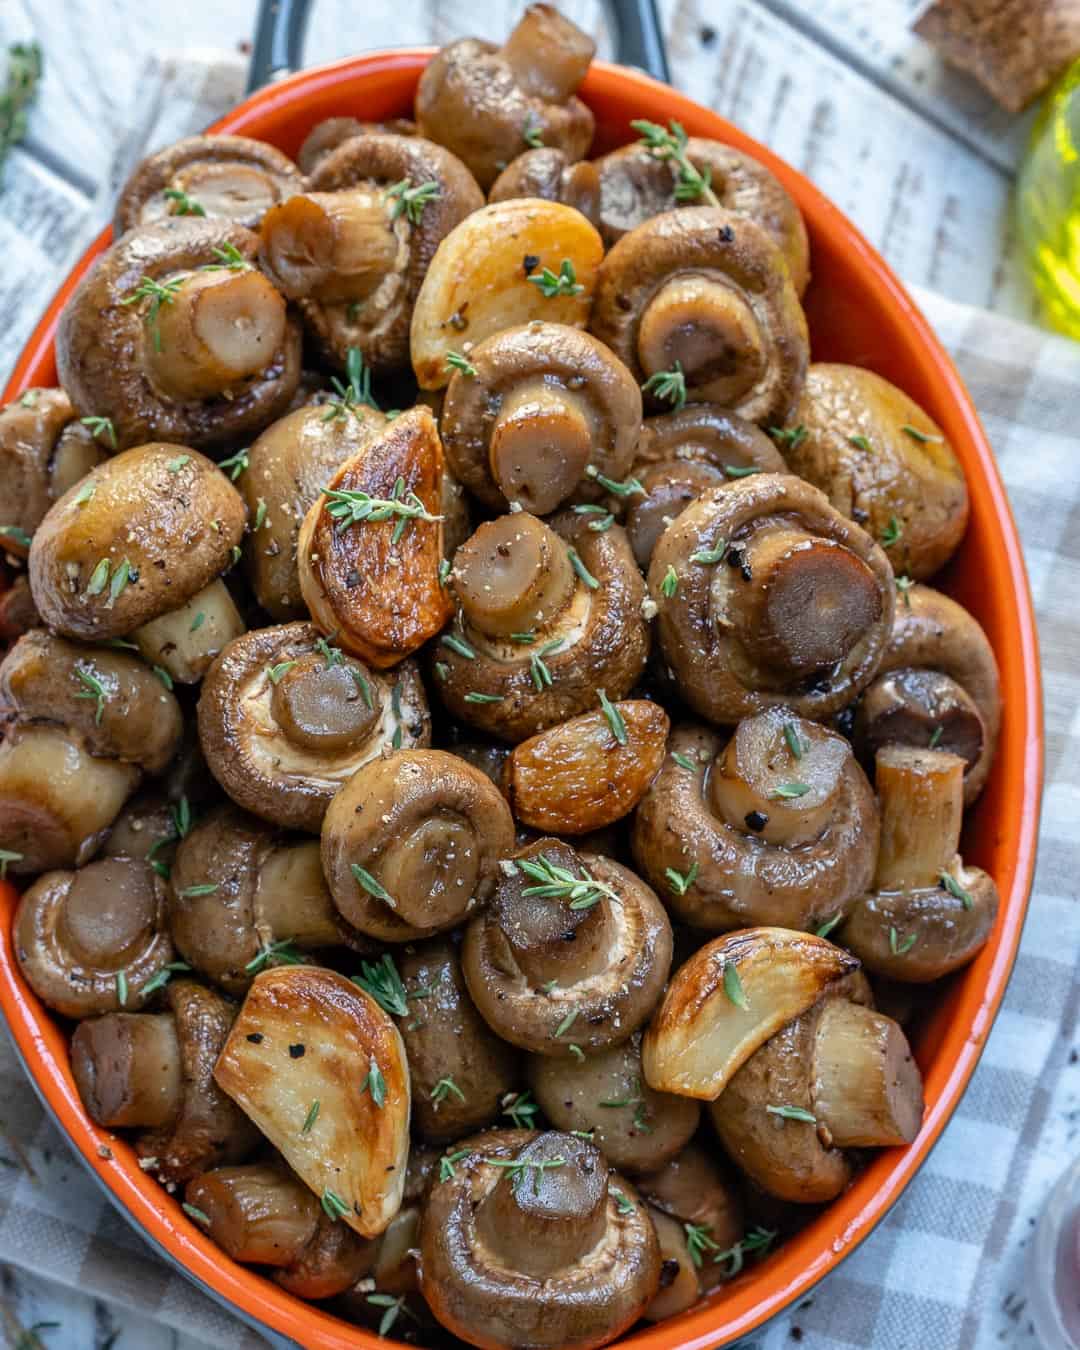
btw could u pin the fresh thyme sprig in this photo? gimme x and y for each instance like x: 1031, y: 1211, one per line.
x: 521, y: 1109
x: 410, y: 201
x: 229, y: 259
x: 100, y: 427
x: 443, y: 1089
x: 541, y: 675
x: 283, y: 953
x: 559, y: 883
x: 668, y: 385
x: 670, y: 143
x: 158, y: 293
x: 375, y: 1083
x: 615, y: 719
x: 564, y: 283
x: 636, y: 1099
x: 93, y: 689
x: 457, y: 361
x: 517, y: 1167
x: 381, y: 980
x: 355, y: 392
x: 183, y: 204
x: 353, y: 507
x: 630, y: 488
x: 235, y: 465
x: 756, y: 1242
x: 679, y: 882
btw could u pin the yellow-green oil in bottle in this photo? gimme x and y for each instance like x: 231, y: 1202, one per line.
x: 1048, y: 203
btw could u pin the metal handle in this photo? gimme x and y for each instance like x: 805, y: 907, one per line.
x: 278, y: 45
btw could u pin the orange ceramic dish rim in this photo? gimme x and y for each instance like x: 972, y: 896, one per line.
x: 858, y: 311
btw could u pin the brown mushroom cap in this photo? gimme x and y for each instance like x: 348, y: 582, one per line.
x: 635, y: 1128
x: 525, y: 1212
x: 516, y: 576
x: 795, y: 609
x: 550, y: 174
x: 709, y: 290
x: 543, y: 404
x: 377, y: 253
x: 460, y: 1072
x: 609, y: 958
x: 750, y: 855
x: 258, y: 1213
x: 229, y: 177
x: 693, y: 1190
x: 937, y: 683
x: 411, y: 844
x: 285, y: 721
x: 89, y: 941
x: 107, y: 348
x: 635, y: 185
x: 327, y: 135
x: 114, y: 702
x: 145, y: 829
x: 882, y: 462
x: 482, y: 101
x: 17, y: 611
x: 288, y: 467
x: 159, y: 526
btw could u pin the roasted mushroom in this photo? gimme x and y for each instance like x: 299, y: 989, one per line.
x: 459, y: 1071
x: 777, y: 600
x: 148, y: 828
x: 285, y: 718
x: 572, y: 954
x: 94, y: 940
x: 551, y: 174
x: 699, y: 304
x: 175, y: 335
x: 927, y: 913
x: 489, y: 103
x: 779, y: 826
x: 228, y: 177
x: 43, y: 452
x: 325, y: 137
x: 242, y: 897
x: 534, y: 411
x: 606, y: 1097
x: 355, y: 247
x: 261, y: 1214
x: 154, y: 1071
x: 548, y: 614
x: 882, y: 462
x: 522, y: 1213
x: 138, y: 549
x: 936, y: 687
x: 370, y: 548
x: 83, y: 723
x: 665, y: 171
x: 679, y: 456
x: 18, y: 613
x: 411, y: 844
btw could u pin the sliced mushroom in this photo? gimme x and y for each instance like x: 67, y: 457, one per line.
x: 490, y: 103
x: 459, y: 1071
x: 285, y: 470
x: 325, y: 137
x: 355, y: 247
x: 606, y: 1097
x: 154, y: 1071
x: 881, y: 461
x: 536, y: 410
x: 523, y: 1212
x: 779, y: 826
x: 549, y: 612
x: 307, y: 1035
x: 551, y: 174
x: 928, y: 913
x: 411, y: 844
x: 726, y: 1001
x: 507, y: 264
x: 285, y: 718
x: 778, y: 600
x: 369, y: 549
x: 679, y: 456
x: 589, y: 771
x: 175, y: 335
x: 242, y: 897
x: 91, y: 941
x: 704, y: 298
x: 228, y: 177
x: 572, y: 954
x: 937, y: 687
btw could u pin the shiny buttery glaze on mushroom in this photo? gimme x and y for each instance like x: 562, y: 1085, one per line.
x: 407, y: 896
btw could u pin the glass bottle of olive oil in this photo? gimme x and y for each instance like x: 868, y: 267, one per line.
x: 1048, y: 203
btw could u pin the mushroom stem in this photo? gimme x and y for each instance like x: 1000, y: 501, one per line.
x: 541, y: 441
x: 709, y: 328
x: 867, y: 1090
x: 332, y: 247
x: 292, y: 899
x: 432, y: 871
x: 513, y: 576
x: 184, y: 641
x: 922, y: 810
x: 548, y: 54
x: 128, y: 1069
x: 548, y: 1209
x: 807, y: 600
x: 322, y: 708
x: 218, y: 328
x: 258, y: 1214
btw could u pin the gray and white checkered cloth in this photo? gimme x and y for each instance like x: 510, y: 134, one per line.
x: 945, y: 1269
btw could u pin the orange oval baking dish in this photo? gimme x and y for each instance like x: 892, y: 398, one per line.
x: 858, y: 312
